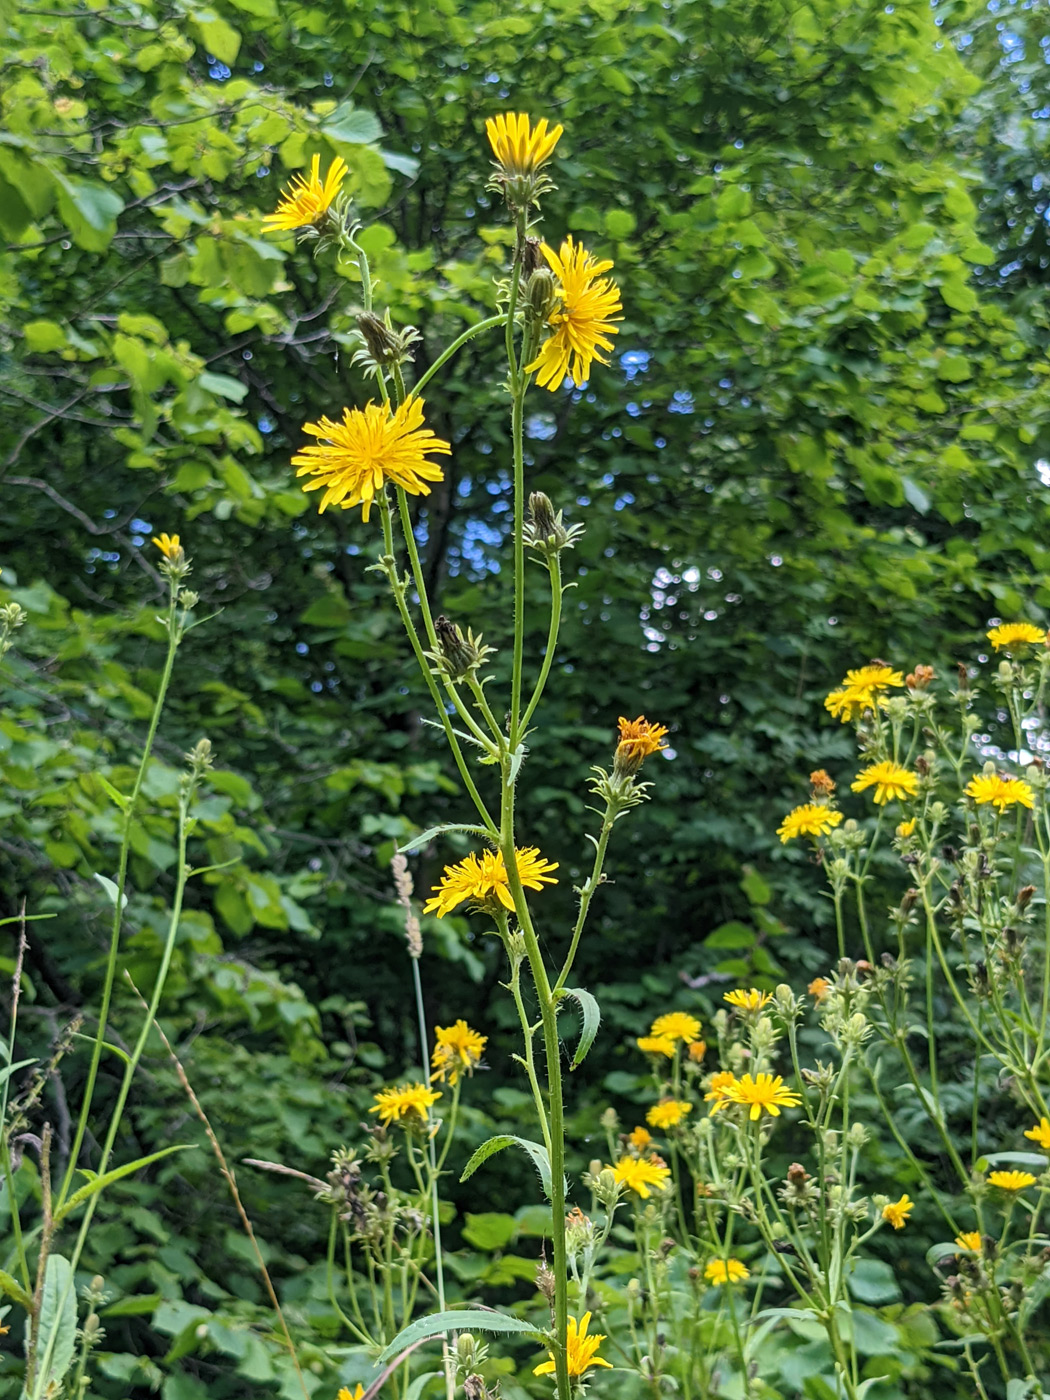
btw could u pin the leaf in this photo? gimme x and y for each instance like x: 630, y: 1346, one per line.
x: 224, y: 385
x: 490, y: 1230
x: 99, y: 1183
x: 592, y: 1017
x: 8, y: 1070
x: 915, y: 495
x: 539, y: 1156
x: 353, y: 125
x: 873, y: 1281
x: 111, y: 889
x: 463, y: 1320
x: 1018, y: 1159
x: 427, y: 836
x: 114, y: 795
x: 57, y: 1327
x: 14, y: 1290
x: 218, y: 37
x: 415, y: 1390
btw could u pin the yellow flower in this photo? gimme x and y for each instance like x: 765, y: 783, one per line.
x: 849, y: 702
x: 410, y: 1099
x: 519, y: 147
x: 970, y: 1240
x: 819, y: 988
x: 897, y: 1212
x: 638, y: 739
x: 458, y: 1051
x: 639, y: 1138
x: 753, y: 1000
x: 697, y: 1051
x: 719, y: 1086
x: 765, y: 1093
x: 1009, y: 635
x: 668, y: 1113
x: 483, y: 878
x: 579, y: 1349
x: 906, y: 829
x: 306, y: 201
x: 657, y: 1045
x: 1000, y: 792
x: 1011, y: 1181
x: 1040, y: 1133
x: 811, y: 819
x: 877, y: 676
x: 170, y: 547
x: 889, y: 780
x: 582, y: 318
x: 354, y: 459
x: 723, y: 1271
x: 639, y: 1173
x: 676, y: 1025
x: 344, y: 1394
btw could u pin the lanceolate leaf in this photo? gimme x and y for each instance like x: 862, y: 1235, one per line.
x: 99, y: 1183
x: 591, y: 1020
x: 425, y: 837
x: 463, y: 1320
x: 57, y: 1329
x: 538, y: 1153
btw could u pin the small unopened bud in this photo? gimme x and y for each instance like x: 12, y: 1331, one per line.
x: 545, y: 524
x: 465, y: 1346
x: 541, y: 293
x: 1024, y: 896
x: 188, y: 599
x: 200, y: 757
x: 459, y: 653
x: 383, y: 344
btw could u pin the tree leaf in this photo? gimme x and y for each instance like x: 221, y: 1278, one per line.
x: 592, y: 1017
x: 462, y: 1320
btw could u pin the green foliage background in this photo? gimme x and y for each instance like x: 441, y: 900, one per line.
x: 818, y: 442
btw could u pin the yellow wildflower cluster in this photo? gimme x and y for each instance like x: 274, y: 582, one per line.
x: 861, y: 690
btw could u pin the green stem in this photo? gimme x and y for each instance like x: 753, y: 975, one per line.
x: 489, y: 324
x: 552, y: 640
x: 587, y: 894
x: 174, y: 636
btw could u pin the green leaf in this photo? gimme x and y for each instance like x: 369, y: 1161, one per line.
x: 112, y: 890
x: 463, y: 1320
x: 224, y: 385
x: 592, y: 1017
x: 43, y: 337
x: 954, y: 368
x: 8, y: 1070
x: 99, y: 1183
x: 14, y: 1290
x: 425, y: 837
x: 915, y: 495
x: 541, y: 1161
x: 489, y: 1230
x: 731, y: 935
x: 620, y: 223
x: 57, y: 1328
x: 415, y: 1390
x: 873, y: 1281
x: 217, y: 36
x: 1018, y: 1159
x: 353, y: 125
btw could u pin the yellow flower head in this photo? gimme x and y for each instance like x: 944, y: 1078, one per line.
x: 306, y: 201
x: 1000, y: 792
x: 897, y: 1212
x: 668, y: 1113
x: 718, y: 1087
x: 752, y: 1000
x: 579, y: 1348
x: 639, y: 1173
x: 483, y: 879
x: 344, y: 1394
x: 723, y: 1271
x: 1040, y: 1134
x: 676, y: 1025
x: 458, y: 1051
x: 354, y: 459
x: 819, y: 988
x: 1011, y: 1181
x: 638, y: 739
x: 877, y: 676
x: 519, y: 147
x: 889, y: 780
x: 811, y: 819
x: 657, y: 1045
x: 582, y: 319
x: 906, y: 829
x: 763, y: 1094
x: 170, y: 547
x: 971, y: 1239
x: 849, y: 702
x: 1008, y: 636
x: 409, y: 1101
x: 639, y: 1138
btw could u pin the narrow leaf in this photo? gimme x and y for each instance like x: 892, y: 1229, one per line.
x: 8, y: 1070
x: 14, y: 1290
x: 99, y: 1183
x: 592, y: 1017
x: 57, y: 1327
x: 463, y: 1320
x: 538, y: 1153
x: 427, y: 836
x: 111, y: 889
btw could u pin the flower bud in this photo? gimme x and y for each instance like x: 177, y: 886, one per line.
x: 383, y: 345
x: 459, y: 653
x: 541, y: 294
x: 465, y: 1347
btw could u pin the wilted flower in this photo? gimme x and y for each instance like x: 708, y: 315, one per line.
x: 638, y: 739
